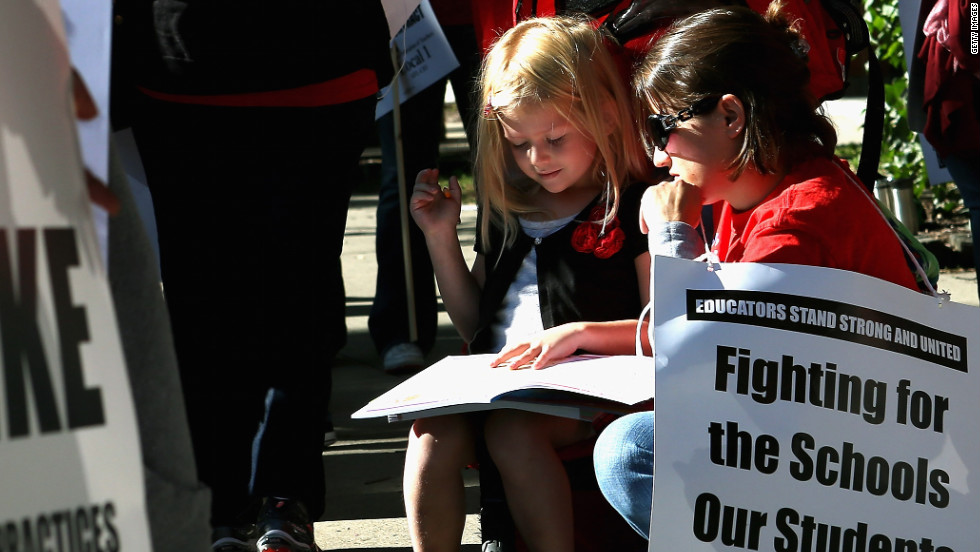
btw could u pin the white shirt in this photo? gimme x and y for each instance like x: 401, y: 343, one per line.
x: 519, y: 316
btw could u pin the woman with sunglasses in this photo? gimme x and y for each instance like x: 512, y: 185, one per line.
x: 730, y: 117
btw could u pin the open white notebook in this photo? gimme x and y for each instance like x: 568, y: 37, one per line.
x: 579, y: 387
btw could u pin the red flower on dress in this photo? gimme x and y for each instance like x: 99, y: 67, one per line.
x: 610, y: 243
x: 586, y: 237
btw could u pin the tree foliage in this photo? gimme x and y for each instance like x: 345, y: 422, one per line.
x: 901, y: 156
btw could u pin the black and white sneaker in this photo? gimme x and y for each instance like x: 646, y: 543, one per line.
x: 233, y: 539
x: 329, y: 435
x: 403, y: 358
x: 285, y: 527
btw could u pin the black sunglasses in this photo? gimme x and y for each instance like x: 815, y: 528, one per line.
x: 660, y: 126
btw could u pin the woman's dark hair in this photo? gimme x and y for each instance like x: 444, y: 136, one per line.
x: 761, y: 59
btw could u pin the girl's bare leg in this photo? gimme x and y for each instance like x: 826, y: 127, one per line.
x: 523, y: 445
x: 438, y: 448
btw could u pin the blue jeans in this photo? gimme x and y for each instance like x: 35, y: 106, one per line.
x: 422, y: 131
x: 966, y: 175
x: 421, y: 119
x: 623, y: 459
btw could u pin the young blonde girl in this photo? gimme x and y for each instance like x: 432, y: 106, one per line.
x: 558, y: 243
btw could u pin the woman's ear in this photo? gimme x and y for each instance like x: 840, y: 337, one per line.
x: 734, y: 112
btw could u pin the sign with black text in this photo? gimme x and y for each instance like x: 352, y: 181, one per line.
x: 72, y: 474
x: 805, y: 409
x: 424, y: 54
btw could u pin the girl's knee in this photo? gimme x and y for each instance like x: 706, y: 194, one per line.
x: 511, y: 429
x: 443, y: 439
x: 514, y: 432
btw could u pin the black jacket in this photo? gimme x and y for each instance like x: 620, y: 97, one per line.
x: 238, y: 46
x: 572, y: 286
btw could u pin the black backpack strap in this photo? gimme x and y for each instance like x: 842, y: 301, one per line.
x: 642, y: 17
x: 874, y: 123
x: 847, y: 14
x: 595, y: 8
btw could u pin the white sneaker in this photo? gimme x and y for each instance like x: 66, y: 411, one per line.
x: 402, y: 358
x: 329, y: 436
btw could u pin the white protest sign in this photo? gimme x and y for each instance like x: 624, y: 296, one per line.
x: 69, y: 447
x: 805, y: 409
x: 425, y: 54
x: 87, y: 29
x: 397, y: 11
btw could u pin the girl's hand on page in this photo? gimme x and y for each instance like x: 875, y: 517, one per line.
x: 435, y: 208
x: 545, y: 349
x: 674, y: 200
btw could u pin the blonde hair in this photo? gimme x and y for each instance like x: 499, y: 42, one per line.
x: 564, y: 63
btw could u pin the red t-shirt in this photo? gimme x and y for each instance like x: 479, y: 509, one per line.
x: 816, y: 217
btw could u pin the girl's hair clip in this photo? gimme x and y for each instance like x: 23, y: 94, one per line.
x: 488, y: 112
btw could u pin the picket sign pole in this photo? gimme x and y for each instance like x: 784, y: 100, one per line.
x: 413, y: 333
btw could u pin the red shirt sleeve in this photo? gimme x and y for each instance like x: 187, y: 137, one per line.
x: 815, y: 217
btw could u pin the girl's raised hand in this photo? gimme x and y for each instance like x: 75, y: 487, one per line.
x: 432, y: 206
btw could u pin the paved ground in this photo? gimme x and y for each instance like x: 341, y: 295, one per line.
x: 364, y: 501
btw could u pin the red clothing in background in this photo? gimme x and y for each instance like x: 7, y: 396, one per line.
x: 454, y: 12
x: 817, y: 217
x: 826, y: 57
x: 951, y: 79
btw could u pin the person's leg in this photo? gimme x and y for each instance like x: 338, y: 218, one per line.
x: 464, y: 79
x: 966, y: 175
x: 523, y: 445
x: 296, y: 229
x: 300, y: 298
x: 623, y: 459
x: 422, y: 130
x: 438, y: 448
x: 196, y: 173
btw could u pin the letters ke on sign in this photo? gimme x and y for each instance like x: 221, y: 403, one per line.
x: 69, y: 448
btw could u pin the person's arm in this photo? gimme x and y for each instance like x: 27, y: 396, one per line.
x: 437, y: 214
x: 675, y: 239
x: 669, y: 214
x: 615, y: 337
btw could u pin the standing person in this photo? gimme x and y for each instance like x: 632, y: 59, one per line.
x: 247, y: 119
x: 944, y: 98
x: 559, y: 242
x: 749, y: 138
x: 422, y: 130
